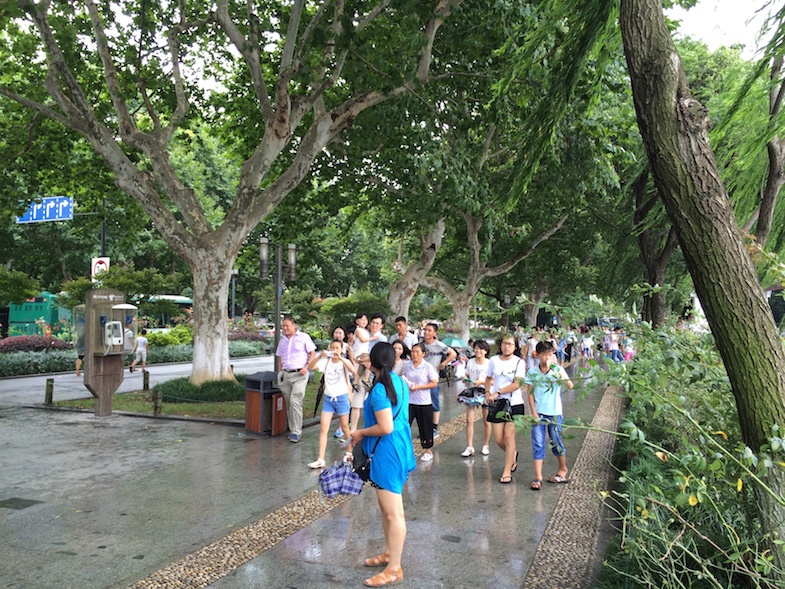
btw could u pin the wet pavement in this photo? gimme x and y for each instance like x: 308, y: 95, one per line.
x: 110, y: 502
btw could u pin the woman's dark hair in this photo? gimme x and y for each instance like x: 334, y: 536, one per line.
x: 383, y: 359
x: 483, y: 345
x: 406, y: 351
x: 420, y: 345
x: 342, y: 329
x: 351, y: 328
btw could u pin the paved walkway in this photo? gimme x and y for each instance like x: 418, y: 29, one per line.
x: 129, y: 502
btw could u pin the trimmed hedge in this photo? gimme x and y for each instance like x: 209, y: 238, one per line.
x: 32, y: 343
x: 24, y: 363
x: 180, y: 390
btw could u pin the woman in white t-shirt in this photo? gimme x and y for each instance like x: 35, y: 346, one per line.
x: 337, y: 371
x: 476, y: 373
x: 587, y: 345
x: 506, y: 373
x: 421, y: 377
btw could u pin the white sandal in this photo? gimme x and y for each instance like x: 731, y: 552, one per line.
x: 468, y: 452
x: 319, y: 463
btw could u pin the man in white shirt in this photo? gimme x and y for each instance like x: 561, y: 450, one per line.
x: 402, y: 333
x: 375, y: 327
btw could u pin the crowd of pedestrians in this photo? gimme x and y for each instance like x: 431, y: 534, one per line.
x: 378, y: 388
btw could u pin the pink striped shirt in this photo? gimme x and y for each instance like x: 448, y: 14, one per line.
x: 294, y: 351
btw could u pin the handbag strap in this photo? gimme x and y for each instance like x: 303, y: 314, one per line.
x: 379, y: 439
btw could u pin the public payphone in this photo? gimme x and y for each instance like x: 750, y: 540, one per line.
x: 107, y: 318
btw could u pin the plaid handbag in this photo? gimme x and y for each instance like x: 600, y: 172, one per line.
x: 339, y: 479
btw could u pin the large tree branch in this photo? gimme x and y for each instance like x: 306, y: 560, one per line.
x: 671, y: 243
x: 38, y: 107
x: 250, y: 50
x: 544, y: 236
x: 173, y: 41
x: 291, y: 36
x: 125, y: 122
x: 59, y: 79
x: 440, y: 285
x: 442, y: 11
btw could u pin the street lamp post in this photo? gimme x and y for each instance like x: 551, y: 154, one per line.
x: 235, y: 272
x: 264, y: 256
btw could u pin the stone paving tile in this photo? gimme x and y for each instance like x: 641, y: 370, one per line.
x: 566, y: 553
x: 563, y: 558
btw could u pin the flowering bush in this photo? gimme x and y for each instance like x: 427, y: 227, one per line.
x: 32, y: 343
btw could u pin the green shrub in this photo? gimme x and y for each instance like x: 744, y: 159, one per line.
x: 22, y: 363
x: 161, y: 339
x: 685, y: 512
x: 184, y: 333
x: 171, y: 353
x: 180, y: 390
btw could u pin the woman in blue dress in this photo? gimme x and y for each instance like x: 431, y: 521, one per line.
x: 386, y: 418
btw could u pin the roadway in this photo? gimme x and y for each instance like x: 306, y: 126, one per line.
x: 29, y: 390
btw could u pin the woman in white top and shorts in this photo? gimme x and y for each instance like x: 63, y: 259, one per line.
x: 476, y: 373
x: 506, y: 373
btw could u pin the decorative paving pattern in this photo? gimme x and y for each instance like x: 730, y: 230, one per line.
x: 214, y: 561
x: 564, y: 558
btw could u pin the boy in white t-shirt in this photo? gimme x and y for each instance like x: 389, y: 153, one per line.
x: 337, y: 371
x: 543, y: 384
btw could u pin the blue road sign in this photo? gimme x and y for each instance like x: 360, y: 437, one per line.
x: 51, y: 208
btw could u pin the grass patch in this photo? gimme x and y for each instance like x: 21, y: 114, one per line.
x: 216, y: 408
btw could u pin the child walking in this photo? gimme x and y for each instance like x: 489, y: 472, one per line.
x: 476, y: 373
x: 336, y: 370
x: 543, y: 384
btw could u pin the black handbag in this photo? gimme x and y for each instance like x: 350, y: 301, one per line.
x: 362, y: 463
x: 501, y: 409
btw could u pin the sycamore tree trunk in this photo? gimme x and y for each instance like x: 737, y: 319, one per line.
x: 654, y: 255
x: 479, y: 270
x: 674, y: 128
x: 402, y: 291
x: 531, y: 308
x: 211, y: 317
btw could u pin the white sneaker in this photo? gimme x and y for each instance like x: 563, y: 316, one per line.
x: 468, y: 452
x: 319, y: 463
x: 427, y: 457
x: 486, y: 450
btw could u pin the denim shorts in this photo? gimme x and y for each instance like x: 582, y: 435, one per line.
x: 435, y: 399
x: 338, y: 405
x: 552, y: 425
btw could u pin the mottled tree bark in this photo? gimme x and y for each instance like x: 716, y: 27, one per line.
x: 674, y: 128
x: 655, y: 257
x: 402, y: 291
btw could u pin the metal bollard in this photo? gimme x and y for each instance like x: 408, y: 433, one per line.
x: 157, y: 402
x: 50, y: 389
x: 145, y: 380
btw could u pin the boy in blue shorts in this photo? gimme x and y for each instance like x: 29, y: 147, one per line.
x: 543, y: 384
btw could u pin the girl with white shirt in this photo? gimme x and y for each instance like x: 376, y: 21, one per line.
x: 506, y: 373
x: 476, y: 372
x: 337, y: 372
